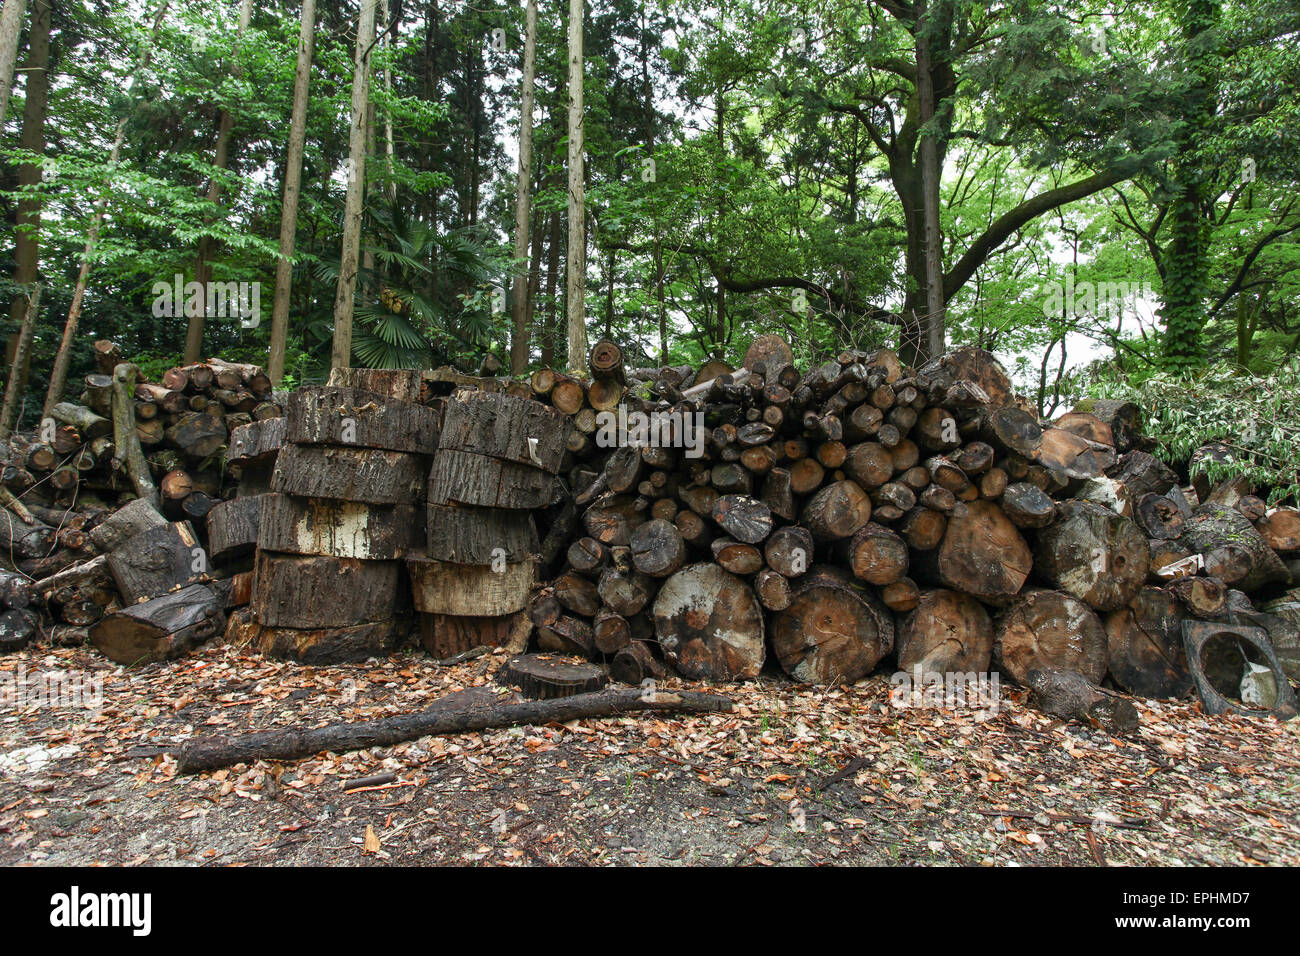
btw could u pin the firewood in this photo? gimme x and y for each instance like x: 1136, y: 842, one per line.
x: 568, y: 635
x: 837, y: 511
x: 402, y: 385
x: 627, y: 592
x: 576, y: 594
x: 466, y: 479
x: 831, y: 632
x: 947, y: 632
x: 1027, y: 506
x: 504, y: 427
x: 1049, y: 629
x: 1280, y: 529
x: 710, y: 624
x: 1232, y: 548
x: 1066, y: 693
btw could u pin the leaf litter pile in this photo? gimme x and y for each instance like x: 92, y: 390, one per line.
x: 794, y: 775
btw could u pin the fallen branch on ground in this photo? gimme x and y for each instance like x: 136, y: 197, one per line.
x: 448, y: 715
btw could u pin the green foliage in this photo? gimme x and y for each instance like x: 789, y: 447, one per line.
x: 1257, y: 417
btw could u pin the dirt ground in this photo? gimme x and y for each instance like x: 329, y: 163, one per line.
x: 793, y: 776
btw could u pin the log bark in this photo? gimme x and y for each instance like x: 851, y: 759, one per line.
x: 465, y: 479
x: 325, y: 415
x: 366, y: 475
x: 467, y: 535
x: 160, y: 629
x: 401, y: 385
x: 315, y: 592
x: 465, y: 712
x: 442, y: 587
x: 518, y: 430
x: 340, y: 529
x: 232, y: 528
x: 161, y: 559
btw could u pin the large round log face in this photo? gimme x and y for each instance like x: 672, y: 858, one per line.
x: 1049, y: 630
x: 1094, y: 554
x: 983, y: 554
x: 710, y: 624
x: 1145, y: 645
x: 831, y: 632
x: 947, y: 632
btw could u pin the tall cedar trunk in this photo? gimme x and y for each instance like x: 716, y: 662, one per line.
x: 351, y: 252
x: 62, y: 359
x: 932, y: 321
x: 551, y: 322
x: 390, y: 144
x: 13, y: 389
x: 292, y: 181
x: 576, y: 279
x: 11, y: 24
x: 220, y: 159
x: 519, y: 291
x: 28, y: 220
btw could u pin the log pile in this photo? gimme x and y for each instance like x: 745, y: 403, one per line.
x: 344, y: 508
x: 106, y: 504
x: 865, y: 512
x: 711, y: 524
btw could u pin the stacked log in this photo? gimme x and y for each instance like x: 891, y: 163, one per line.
x: 343, y: 509
x: 497, y: 458
x: 865, y: 511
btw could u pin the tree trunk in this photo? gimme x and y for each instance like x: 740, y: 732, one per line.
x: 932, y: 322
x: 312, y: 592
x: 351, y: 251
x: 13, y: 389
x: 27, y: 221
x: 576, y: 278
x: 11, y: 25
x: 339, y: 529
x: 366, y: 475
x: 292, y: 189
x: 203, y: 263
x: 523, y: 204
x: 326, y: 415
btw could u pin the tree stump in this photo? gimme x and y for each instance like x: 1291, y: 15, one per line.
x: 546, y: 676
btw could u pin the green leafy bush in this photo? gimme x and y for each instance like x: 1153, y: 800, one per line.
x: 1256, y: 417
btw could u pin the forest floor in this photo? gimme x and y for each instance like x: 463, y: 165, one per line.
x: 793, y: 776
